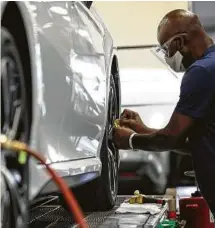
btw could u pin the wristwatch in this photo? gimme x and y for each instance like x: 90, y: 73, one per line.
x: 130, y: 141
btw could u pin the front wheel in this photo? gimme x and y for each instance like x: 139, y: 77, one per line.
x: 100, y: 194
x: 15, y: 125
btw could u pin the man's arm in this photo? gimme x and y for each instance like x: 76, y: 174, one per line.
x: 172, y: 137
x: 146, y: 130
x: 197, y: 93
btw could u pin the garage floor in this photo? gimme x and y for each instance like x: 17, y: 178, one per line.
x: 50, y: 214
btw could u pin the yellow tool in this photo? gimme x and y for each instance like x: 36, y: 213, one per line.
x: 132, y: 200
x: 116, y: 123
x: 137, y: 198
x: 140, y: 199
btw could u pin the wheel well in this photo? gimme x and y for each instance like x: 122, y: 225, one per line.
x: 12, y: 20
x: 115, y: 73
x: 115, y: 68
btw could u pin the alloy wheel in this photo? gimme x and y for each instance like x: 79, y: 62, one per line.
x: 113, y: 114
x: 14, y: 121
x: 14, y: 112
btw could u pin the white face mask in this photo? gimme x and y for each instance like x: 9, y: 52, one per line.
x: 175, y: 62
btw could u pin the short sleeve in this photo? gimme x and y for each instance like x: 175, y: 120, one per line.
x: 197, y: 92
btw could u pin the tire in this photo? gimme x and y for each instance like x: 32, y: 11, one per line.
x: 12, y: 75
x: 100, y: 194
x: 14, y: 112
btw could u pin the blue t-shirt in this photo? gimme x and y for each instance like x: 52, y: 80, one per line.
x: 197, y: 100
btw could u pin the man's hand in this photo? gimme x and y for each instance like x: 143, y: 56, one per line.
x: 132, y: 120
x: 132, y: 124
x: 131, y: 115
x: 121, y: 137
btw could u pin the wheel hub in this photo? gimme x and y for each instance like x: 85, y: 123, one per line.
x: 10, y: 97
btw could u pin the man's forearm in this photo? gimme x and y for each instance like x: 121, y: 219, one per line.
x: 156, y: 141
x: 143, y: 129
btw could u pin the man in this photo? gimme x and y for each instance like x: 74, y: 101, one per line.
x: 186, y: 47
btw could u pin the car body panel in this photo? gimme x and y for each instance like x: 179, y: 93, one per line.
x: 71, y: 55
x: 146, y: 86
x: 76, y: 172
x: 84, y: 118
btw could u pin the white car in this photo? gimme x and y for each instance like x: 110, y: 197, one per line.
x: 60, y: 93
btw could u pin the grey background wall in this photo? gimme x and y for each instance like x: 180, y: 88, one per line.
x: 206, y: 12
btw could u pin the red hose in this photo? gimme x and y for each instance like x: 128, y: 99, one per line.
x: 68, y: 195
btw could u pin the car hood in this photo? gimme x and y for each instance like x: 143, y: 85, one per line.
x: 148, y: 86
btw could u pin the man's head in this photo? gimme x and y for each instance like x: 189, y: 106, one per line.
x: 182, y: 38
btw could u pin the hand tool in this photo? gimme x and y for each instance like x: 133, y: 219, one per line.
x: 140, y: 199
x: 116, y: 123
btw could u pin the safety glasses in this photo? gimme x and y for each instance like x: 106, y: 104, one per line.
x: 165, y: 47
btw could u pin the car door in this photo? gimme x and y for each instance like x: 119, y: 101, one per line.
x: 84, y: 120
